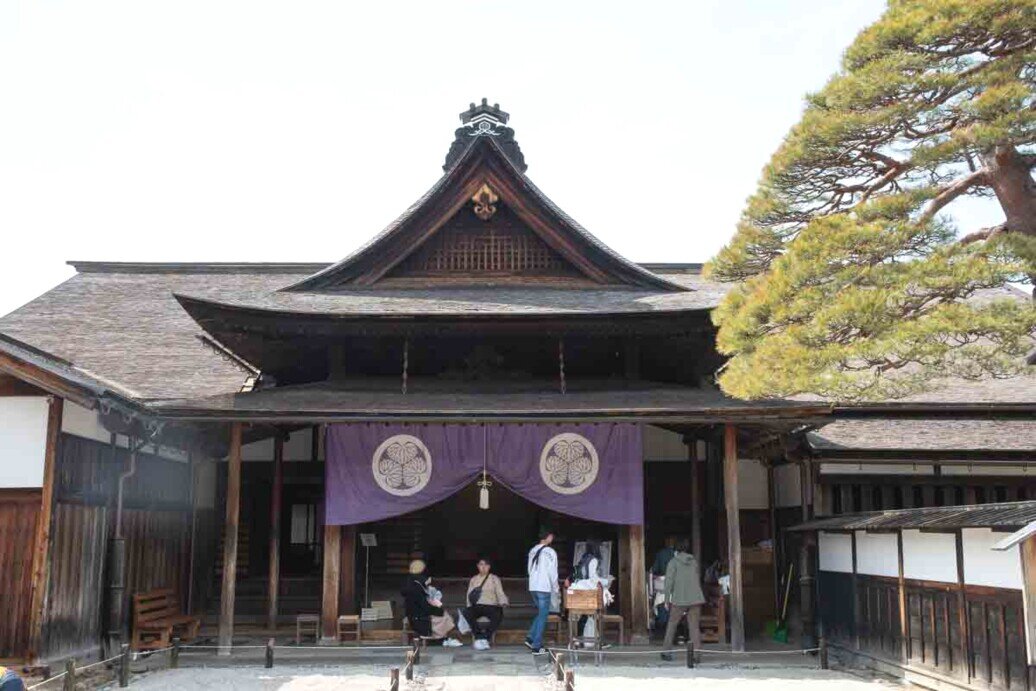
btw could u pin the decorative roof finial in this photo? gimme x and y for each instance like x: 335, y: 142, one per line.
x: 485, y: 120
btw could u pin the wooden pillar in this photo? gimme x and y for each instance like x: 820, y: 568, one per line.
x: 41, y: 550
x: 737, y: 613
x: 807, y: 559
x: 696, y: 512
x: 332, y: 574
x: 962, y: 610
x: 857, y: 623
x: 276, y: 493
x: 347, y: 593
x: 230, y: 527
x: 633, y: 582
x: 904, y: 619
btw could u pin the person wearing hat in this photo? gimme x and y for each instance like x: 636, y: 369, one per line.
x: 423, y: 606
x: 10, y: 681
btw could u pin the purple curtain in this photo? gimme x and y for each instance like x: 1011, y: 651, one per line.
x: 376, y: 471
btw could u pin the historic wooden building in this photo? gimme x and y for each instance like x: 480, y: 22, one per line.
x: 186, y: 420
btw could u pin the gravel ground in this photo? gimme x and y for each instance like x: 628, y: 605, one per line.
x: 587, y: 679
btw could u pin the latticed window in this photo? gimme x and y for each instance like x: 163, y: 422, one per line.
x: 502, y: 246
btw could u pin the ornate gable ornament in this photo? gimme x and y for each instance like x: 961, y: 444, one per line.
x: 485, y: 120
x: 485, y: 202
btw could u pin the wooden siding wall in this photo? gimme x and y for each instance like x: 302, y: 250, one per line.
x: 156, y: 525
x: 870, y: 622
x: 19, y: 512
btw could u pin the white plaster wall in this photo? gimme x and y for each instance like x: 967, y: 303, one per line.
x: 873, y: 469
x: 984, y: 566
x: 298, y: 447
x: 752, y: 490
x: 877, y: 554
x: 986, y: 469
x: 205, y: 489
x: 929, y: 556
x: 662, y: 445
x: 787, y: 490
x: 83, y: 422
x: 23, y: 440
x: 836, y: 552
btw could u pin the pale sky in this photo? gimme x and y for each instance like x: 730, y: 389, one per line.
x: 294, y: 131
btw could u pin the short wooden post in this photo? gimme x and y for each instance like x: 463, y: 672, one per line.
x: 559, y: 667
x: 69, y: 682
x: 269, y: 654
x: 124, y: 664
x: 394, y: 679
x: 690, y: 654
x: 174, y: 654
x: 409, y: 665
x: 417, y: 651
x: 570, y: 680
x: 823, y: 653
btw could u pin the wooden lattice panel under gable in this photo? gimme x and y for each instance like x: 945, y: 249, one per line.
x: 468, y: 249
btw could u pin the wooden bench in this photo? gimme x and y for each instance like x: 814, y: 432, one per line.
x: 156, y: 617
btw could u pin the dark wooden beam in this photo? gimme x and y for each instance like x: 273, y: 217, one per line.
x: 730, y: 490
x: 332, y: 573
x: 904, y: 617
x: 13, y: 386
x: 276, y: 491
x: 41, y: 551
x: 230, y: 528
x: 45, y: 380
x: 347, y: 592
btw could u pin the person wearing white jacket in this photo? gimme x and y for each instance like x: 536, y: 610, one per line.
x: 543, y: 581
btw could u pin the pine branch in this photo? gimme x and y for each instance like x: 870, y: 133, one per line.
x: 951, y: 192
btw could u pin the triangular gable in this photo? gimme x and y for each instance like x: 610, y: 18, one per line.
x: 534, y: 222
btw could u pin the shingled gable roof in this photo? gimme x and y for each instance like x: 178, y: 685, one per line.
x: 484, y: 162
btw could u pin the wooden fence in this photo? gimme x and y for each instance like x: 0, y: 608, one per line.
x: 985, y: 647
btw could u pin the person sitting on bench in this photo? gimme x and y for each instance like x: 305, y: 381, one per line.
x: 423, y: 606
x: 486, y: 598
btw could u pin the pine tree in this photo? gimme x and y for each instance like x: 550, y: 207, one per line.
x: 853, y: 281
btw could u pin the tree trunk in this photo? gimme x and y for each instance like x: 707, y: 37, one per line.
x: 1009, y: 176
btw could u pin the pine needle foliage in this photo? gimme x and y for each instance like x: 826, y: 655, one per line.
x: 853, y: 281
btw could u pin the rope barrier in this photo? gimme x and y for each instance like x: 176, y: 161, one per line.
x: 47, y: 681
x: 673, y: 651
x: 297, y: 647
x: 96, y: 664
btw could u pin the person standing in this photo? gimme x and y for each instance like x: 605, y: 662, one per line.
x: 486, y: 598
x: 683, y: 595
x: 543, y: 581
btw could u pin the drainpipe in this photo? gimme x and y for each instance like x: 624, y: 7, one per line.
x: 117, y: 559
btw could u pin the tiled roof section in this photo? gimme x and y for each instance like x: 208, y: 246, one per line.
x: 1015, y: 514
x: 121, y: 322
x: 371, y: 398
x: 466, y: 301
x: 129, y: 330
x: 925, y: 435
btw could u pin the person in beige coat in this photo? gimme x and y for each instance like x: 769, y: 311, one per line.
x: 486, y: 599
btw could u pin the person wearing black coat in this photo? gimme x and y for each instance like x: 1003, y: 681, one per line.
x: 415, y: 600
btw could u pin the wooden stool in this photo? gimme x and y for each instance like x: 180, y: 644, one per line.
x: 349, y: 624
x: 614, y: 619
x: 310, y: 622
